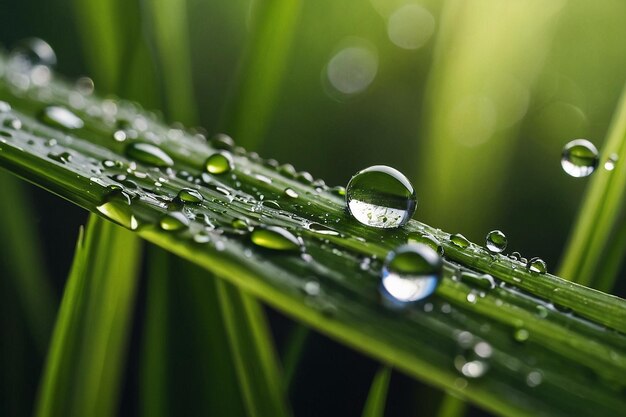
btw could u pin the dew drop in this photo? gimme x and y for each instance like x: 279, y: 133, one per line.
x: 485, y: 281
x: 290, y: 193
x: 381, y: 196
x: 117, y: 207
x: 63, y: 157
x: 426, y: 239
x: 189, y: 195
x: 322, y: 230
x: 222, y: 141
x: 12, y: 122
x: 610, y: 162
x: 31, y: 52
x: 495, y: 241
x: 4, y: 107
x: 534, y: 379
x: 521, y: 335
x: 84, y: 85
x: 240, y: 224
x: 537, y: 265
x: 579, y: 158
x: 459, y: 240
x: 61, y: 117
x: 219, y: 163
x: 149, y: 154
x: 174, y: 221
x: 119, y: 136
x: 275, y: 238
x: 411, y: 273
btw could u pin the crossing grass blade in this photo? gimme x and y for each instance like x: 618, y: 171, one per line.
x: 87, y: 352
x: 574, y: 335
x: 377, y: 397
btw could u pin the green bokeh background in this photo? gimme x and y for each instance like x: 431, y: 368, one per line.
x: 476, y: 118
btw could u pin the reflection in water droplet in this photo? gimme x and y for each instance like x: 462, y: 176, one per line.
x: 276, y: 238
x: 459, y: 240
x: 352, y: 69
x: 61, y: 117
x: 174, y: 221
x: 610, y: 162
x: 411, y: 26
x: 381, y: 196
x: 496, y: 241
x: 219, y: 163
x: 149, y: 154
x: 537, y: 265
x: 411, y: 273
x: 117, y: 207
x: 579, y: 158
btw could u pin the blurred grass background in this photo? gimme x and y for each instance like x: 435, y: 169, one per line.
x: 472, y: 100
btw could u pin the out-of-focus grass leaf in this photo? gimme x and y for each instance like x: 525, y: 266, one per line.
x: 598, y: 241
x: 479, y: 88
x: 377, y: 397
x: 451, y: 406
x: 292, y: 353
x: 22, y: 255
x: 254, y: 356
x: 87, y: 353
x: 263, y: 66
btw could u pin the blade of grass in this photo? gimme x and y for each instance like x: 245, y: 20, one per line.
x: 581, y: 363
x: 597, y: 243
x: 87, y: 353
x: 261, y: 70
x: 22, y: 253
x: 255, y: 359
x: 452, y: 406
x: 377, y: 397
x: 292, y: 352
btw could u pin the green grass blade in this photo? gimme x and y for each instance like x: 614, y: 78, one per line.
x: 263, y: 65
x: 169, y: 30
x: 578, y: 363
x: 22, y: 254
x: 452, y: 406
x: 377, y: 397
x: 255, y: 359
x: 597, y: 243
x: 292, y: 352
x: 82, y: 372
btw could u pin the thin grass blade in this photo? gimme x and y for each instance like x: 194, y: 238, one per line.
x: 377, y: 397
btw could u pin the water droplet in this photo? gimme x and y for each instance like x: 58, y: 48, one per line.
x: 290, y: 193
x: 609, y: 165
x: 516, y: 256
x: 473, y: 361
x: 537, y: 265
x: 119, y: 136
x: 426, y: 239
x: 33, y: 51
x: 381, y: 196
x: 339, y: 190
x: 12, y: 122
x: 149, y: 154
x: 534, y: 378
x: 411, y: 273
x: 85, y: 86
x: 62, y: 157
x: 521, y: 335
x: 117, y: 207
x: 240, y: 224
x: 276, y: 238
x: 496, y: 241
x: 352, y: 69
x: 287, y: 170
x: 304, y: 177
x: 411, y: 26
x: 174, y: 221
x: 189, y: 195
x: 222, y: 141
x: 312, y: 288
x: 322, y: 230
x: 485, y: 281
x: 61, y: 117
x: 219, y: 163
x: 4, y: 107
x: 459, y: 240
x: 579, y: 158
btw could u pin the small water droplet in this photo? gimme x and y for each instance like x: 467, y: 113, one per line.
x: 174, y: 221
x: 12, y: 122
x: 219, y: 163
x: 222, y: 141
x: 189, y: 195
x: 85, y: 86
x: 62, y: 157
x: 61, y: 117
x: 411, y: 273
x: 276, y: 238
x: 381, y: 196
x: 339, y: 190
x: 304, y: 177
x: 312, y: 288
x: 516, y: 256
x: 240, y: 224
x: 495, y: 241
x: 119, y: 135
x: 485, y: 281
x: 610, y: 162
x: 117, y: 207
x: 426, y: 239
x: 537, y: 265
x: 149, y: 154
x: 290, y: 193
x: 459, y: 240
x: 33, y: 51
x: 521, y: 335
x: 473, y: 361
x: 534, y: 379
x: 579, y: 158
x: 322, y: 230
x: 4, y: 107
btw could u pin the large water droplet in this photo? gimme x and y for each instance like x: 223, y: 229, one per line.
x: 537, y: 265
x: 219, y: 163
x: 579, y: 158
x: 495, y: 241
x: 61, y: 117
x: 459, y: 240
x: 117, y: 207
x: 174, y: 221
x: 276, y: 238
x: 189, y: 195
x: 149, y: 154
x: 381, y: 196
x: 411, y: 273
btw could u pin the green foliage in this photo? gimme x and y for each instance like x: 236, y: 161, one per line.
x: 566, y: 356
